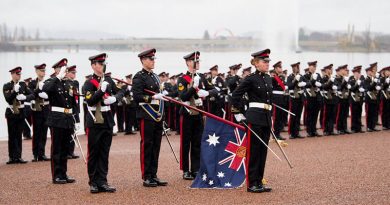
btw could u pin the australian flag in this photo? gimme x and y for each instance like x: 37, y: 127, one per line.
x: 222, y: 157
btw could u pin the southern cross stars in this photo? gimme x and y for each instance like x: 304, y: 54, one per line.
x: 213, y: 140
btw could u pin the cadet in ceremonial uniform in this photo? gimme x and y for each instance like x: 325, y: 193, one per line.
x: 279, y: 98
x: 372, y: 85
x: 356, y: 84
x: 100, y: 122
x: 15, y: 93
x: 130, y: 106
x: 61, y: 122
x: 295, y: 84
x: 150, y: 113
x: 216, y: 103
x: 40, y: 111
x: 232, y: 81
x: 120, y: 111
x: 330, y: 100
x: 71, y: 78
x: 192, y: 88
x: 314, y: 99
x: 341, y: 81
x: 258, y: 85
x: 385, y: 97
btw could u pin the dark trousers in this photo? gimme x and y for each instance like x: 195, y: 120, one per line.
x: 171, y: 116
x: 215, y: 107
x: 356, y: 116
x: 120, y: 115
x: 130, y: 118
x: 59, y: 151
x: 39, y: 133
x: 151, y: 134
x: 177, y: 118
x: 329, y: 117
x: 99, y: 144
x: 256, y: 154
x: 342, y: 115
x: 278, y: 119
x: 371, y: 114
x: 296, y: 106
x: 191, y: 129
x: 386, y: 113
x: 15, y: 125
x: 85, y: 109
x: 313, y: 109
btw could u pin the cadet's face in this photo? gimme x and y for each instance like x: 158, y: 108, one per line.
x: 295, y: 69
x: 214, y: 72
x: 57, y: 70
x: 98, y: 68
x: 262, y: 65
x: 72, y: 75
x: 312, y: 68
x: 356, y: 75
x: 387, y: 73
x: 16, y: 77
x: 278, y: 70
x: 40, y: 72
x: 148, y: 63
x: 190, y: 65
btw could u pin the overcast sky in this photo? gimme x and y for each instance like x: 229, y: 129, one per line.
x: 189, y: 18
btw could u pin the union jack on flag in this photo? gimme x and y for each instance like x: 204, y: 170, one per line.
x: 222, y: 157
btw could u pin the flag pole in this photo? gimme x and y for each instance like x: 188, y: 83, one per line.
x: 192, y: 108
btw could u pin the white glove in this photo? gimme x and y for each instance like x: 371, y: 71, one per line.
x: 196, y: 82
x: 377, y: 75
x: 239, y: 117
x: 346, y: 78
x: 387, y: 80
x: 40, y: 85
x: 159, y: 96
x: 301, y: 84
x: 16, y: 87
x: 332, y: 79
x: 334, y: 87
x: 377, y: 87
x: 376, y: 80
x: 103, y: 86
x: 129, y: 87
x: 359, y: 82
x: 361, y: 90
x: 62, y: 73
x: 164, y: 92
x: 43, y: 95
x: 109, y: 100
x: 349, y: 86
x: 315, y: 76
x: 21, y: 97
x: 297, y: 77
x: 318, y: 84
x: 203, y: 93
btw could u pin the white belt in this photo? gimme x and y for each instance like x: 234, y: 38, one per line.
x: 292, y: 91
x: 20, y: 106
x: 153, y: 102
x: 44, y: 102
x: 61, y: 109
x: 102, y: 109
x: 198, y: 102
x: 278, y: 92
x: 27, y: 103
x: 260, y: 105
